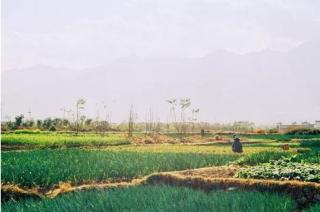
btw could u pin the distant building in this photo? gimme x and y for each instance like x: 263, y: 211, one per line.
x: 284, y: 128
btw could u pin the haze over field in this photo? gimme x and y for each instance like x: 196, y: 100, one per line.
x: 256, y: 61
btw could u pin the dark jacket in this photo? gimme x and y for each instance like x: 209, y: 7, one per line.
x: 237, y: 146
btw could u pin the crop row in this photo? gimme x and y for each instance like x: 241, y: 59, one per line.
x: 48, y: 167
x: 158, y: 198
x: 224, y: 149
x: 49, y: 140
x: 280, y: 137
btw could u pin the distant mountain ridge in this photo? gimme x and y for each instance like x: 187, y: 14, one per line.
x: 260, y: 86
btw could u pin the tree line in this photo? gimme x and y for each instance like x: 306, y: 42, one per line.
x: 183, y: 118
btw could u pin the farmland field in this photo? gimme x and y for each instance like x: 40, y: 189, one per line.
x: 62, y: 140
x: 158, y: 198
x: 160, y: 106
x: 284, y: 170
x: 194, y: 148
x: 94, y: 159
x: 280, y: 137
x: 48, y: 167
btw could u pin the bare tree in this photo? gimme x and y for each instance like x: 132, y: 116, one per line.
x: 102, y: 126
x: 65, y: 112
x: 180, y: 125
x: 29, y: 114
x: 131, y: 121
x: 157, y: 126
x: 105, y: 123
x: 153, y: 124
x: 173, y: 105
x: 194, y: 118
x: 149, y: 121
x: 65, y: 116
x: 79, y: 106
x: 97, y: 121
x: 184, y: 104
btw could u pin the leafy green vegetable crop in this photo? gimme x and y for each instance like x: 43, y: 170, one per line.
x: 283, y: 169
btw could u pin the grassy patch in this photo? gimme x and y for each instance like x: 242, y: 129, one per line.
x: 262, y: 157
x: 270, y: 144
x: 308, y: 157
x: 310, y: 143
x: 279, y: 137
x: 224, y: 149
x: 157, y: 198
x: 48, y: 167
x: 60, y: 140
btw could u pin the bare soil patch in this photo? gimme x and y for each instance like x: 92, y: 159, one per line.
x: 211, y: 172
x: 6, y: 147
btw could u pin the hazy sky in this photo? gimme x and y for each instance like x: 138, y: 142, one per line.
x: 72, y: 37
x: 82, y: 33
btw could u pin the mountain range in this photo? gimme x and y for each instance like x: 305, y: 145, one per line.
x: 265, y: 87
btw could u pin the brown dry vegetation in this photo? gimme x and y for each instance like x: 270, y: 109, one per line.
x: 211, y: 172
x: 9, y: 191
x: 15, y: 192
x: 153, y: 139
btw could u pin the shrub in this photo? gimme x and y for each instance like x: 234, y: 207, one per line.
x: 52, y: 128
x: 273, y: 130
x: 27, y: 131
x: 304, y: 132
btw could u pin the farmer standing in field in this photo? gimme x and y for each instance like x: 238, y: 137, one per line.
x: 236, y: 146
